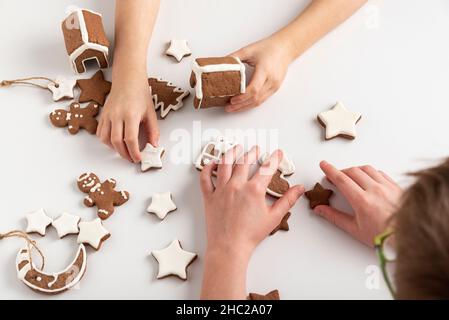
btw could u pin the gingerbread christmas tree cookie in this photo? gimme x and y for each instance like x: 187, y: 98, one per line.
x: 166, y: 96
x: 76, y: 118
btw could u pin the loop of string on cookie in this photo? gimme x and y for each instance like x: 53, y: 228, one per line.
x: 29, y: 81
x: 30, y: 243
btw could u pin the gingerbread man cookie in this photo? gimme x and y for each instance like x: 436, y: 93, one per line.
x: 76, y: 118
x: 101, y: 194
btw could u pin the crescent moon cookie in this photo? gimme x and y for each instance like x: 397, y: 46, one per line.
x: 66, y: 224
x: 318, y: 196
x: 339, y: 122
x: 161, y: 204
x: 151, y: 157
x: 213, y: 151
x: 93, y: 233
x: 166, y: 96
x: 101, y: 194
x: 50, y: 283
x: 37, y: 222
x: 178, y: 49
x: 76, y: 118
x: 173, y: 260
x: 279, y: 184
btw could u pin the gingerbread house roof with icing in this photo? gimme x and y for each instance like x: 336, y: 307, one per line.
x: 85, y: 38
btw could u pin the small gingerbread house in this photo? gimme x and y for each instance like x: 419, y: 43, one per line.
x: 217, y: 80
x: 85, y: 39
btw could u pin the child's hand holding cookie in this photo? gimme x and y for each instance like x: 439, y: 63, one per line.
x: 238, y: 218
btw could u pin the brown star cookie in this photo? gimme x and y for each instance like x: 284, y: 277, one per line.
x: 94, y: 89
x: 101, y: 194
x: 76, y: 118
x: 318, y: 196
x: 283, y: 225
x: 272, y: 295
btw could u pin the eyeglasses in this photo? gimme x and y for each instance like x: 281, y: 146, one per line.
x: 387, y: 258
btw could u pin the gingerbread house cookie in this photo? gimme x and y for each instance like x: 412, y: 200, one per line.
x: 217, y: 80
x: 85, y: 39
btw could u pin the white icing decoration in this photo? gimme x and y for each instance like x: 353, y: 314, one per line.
x: 51, y: 283
x: 24, y: 256
x: 339, y: 121
x: 76, y: 115
x: 57, y: 118
x: 220, y: 145
x: 103, y: 211
x: 199, y: 70
x: 92, y: 233
x: 178, y: 49
x: 124, y: 196
x: 66, y: 224
x: 96, y: 187
x: 160, y: 104
x: 173, y: 260
x: 62, y: 88
x: 85, y: 176
x: 89, y: 199
x: 151, y: 157
x: 68, y: 116
x: 38, y: 221
x: 161, y: 204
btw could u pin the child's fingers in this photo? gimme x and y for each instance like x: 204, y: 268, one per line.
x: 207, y: 187
x: 338, y: 218
x: 105, y: 134
x: 117, y: 140
x: 100, y: 125
x: 388, y: 178
x: 265, y: 93
x: 284, y: 204
x: 132, y: 139
x: 350, y: 190
x: 266, y: 171
x: 241, y: 169
x: 373, y: 173
x: 151, y: 128
x: 224, y: 171
x: 254, y: 87
x: 360, y: 177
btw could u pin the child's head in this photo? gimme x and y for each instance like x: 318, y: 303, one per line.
x: 422, y: 237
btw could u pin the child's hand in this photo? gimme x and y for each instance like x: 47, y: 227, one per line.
x: 237, y: 214
x: 270, y: 58
x: 128, y: 105
x: 373, y: 196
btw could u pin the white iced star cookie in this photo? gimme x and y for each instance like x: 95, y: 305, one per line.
x: 178, y: 49
x: 151, y: 157
x: 339, y: 122
x: 161, y: 204
x: 92, y: 233
x: 38, y: 221
x: 173, y: 260
x: 66, y: 224
x: 62, y: 88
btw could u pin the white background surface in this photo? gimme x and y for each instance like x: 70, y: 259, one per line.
x: 389, y: 62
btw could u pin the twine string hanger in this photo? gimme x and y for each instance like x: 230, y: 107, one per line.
x: 30, y: 243
x: 29, y: 81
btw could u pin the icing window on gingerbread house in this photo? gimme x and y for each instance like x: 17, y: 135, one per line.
x: 85, y: 39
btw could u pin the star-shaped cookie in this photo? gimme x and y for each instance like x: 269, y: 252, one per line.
x: 272, y: 295
x: 161, y: 204
x: 151, y: 157
x: 283, y: 225
x: 62, y: 88
x: 94, y: 89
x: 37, y: 222
x: 318, y: 196
x: 339, y: 122
x: 93, y: 233
x: 178, y: 49
x: 173, y: 260
x: 66, y: 224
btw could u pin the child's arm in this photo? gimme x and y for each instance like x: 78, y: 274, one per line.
x: 272, y: 56
x: 372, y: 194
x: 130, y: 102
x: 238, y: 219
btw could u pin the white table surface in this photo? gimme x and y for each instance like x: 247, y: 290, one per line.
x: 390, y: 62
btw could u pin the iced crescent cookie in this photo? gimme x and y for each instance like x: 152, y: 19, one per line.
x: 339, y: 122
x: 279, y: 184
x: 318, y: 196
x: 37, y: 222
x: 50, y: 283
x: 272, y: 295
x: 66, y: 224
x: 93, y: 233
x: 166, y: 96
x: 178, y: 49
x: 213, y: 152
x: 76, y: 118
x: 173, y: 260
x: 161, y: 204
x: 101, y: 194
x: 151, y: 157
